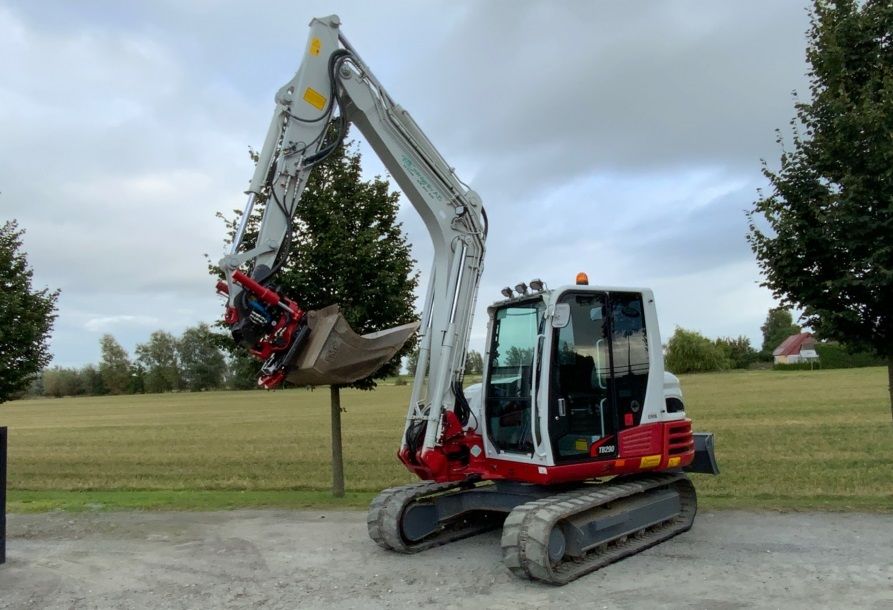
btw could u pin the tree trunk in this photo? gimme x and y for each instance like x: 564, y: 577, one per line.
x: 337, y: 457
x: 890, y: 381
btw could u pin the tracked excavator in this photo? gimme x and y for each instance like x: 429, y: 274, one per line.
x: 576, y: 442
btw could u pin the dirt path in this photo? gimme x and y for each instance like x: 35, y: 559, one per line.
x: 289, y: 559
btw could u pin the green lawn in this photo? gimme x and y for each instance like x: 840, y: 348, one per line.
x: 787, y: 440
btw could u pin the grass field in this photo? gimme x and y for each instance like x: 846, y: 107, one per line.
x: 785, y: 440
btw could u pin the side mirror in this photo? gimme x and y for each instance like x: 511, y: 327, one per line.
x: 562, y: 315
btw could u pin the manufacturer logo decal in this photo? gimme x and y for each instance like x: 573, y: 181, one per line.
x: 419, y: 178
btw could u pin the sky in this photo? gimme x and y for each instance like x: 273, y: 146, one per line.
x: 620, y: 139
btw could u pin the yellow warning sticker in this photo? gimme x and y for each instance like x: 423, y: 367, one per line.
x: 315, y: 46
x: 581, y: 445
x: 315, y: 98
x: 649, y: 461
x: 673, y: 462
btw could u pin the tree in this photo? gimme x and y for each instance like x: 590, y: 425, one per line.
x: 59, y: 382
x: 158, y: 357
x: 412, y: 361
x: 349, y: 249
x: 779, y: 325
x: 91, y: 380
x: 26, y: 317
x: 352, y: 251
x: 474, y: 363
x: 691, y: 352
x: 114, y: 366
x: 519, y: 356
x: 242, y: 370
x: 823, y: 235
x: 137, y: 383
x: 202, y: 364
x: 37, y: 388
x: 738, y: 351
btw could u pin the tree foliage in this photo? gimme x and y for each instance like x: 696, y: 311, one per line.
x: 474, y: 363
x: 737, y: 351
x: 519, y: 356
x: 58, y: 382
x: 202, y: 364
x: 61, y: 381
x: 351, y: 250
x: 26, y: 317
x: 91, y: 381
x: 157, y: 368
x: 823, y: 234
x: 779, y: 325
x: 158, y: 357
x: 836, y: 356
x: 412, y: 361
x: 114, y: 366
x: 242, y: 369
x: 689, y: 351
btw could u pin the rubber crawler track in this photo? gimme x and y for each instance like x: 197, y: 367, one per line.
x: 386, y: 514
x: 526, y: 531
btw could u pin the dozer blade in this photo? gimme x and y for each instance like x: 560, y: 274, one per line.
x: 335, y: 354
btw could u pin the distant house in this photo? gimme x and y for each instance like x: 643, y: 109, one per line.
x: 796, y: 348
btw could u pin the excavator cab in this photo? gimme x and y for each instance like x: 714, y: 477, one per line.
x: 568, y: 371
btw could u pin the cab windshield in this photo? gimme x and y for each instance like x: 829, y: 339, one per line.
x: 516, y: 331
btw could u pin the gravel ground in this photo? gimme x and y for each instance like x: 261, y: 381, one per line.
x: 314, y: 559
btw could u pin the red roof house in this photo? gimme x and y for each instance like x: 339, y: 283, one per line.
x: 789, y: 352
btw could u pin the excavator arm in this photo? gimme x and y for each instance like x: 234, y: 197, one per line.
x: 332, y: 89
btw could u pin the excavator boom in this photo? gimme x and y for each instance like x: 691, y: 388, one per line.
x: 333, y: 88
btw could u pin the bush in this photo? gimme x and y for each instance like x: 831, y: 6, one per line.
x: 836, y: 356
x: 59, y: 382
x: 738, y: 351
x: 799, y: 366
x: 691, y: 352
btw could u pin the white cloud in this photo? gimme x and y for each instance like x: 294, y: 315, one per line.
x: 106, y: 324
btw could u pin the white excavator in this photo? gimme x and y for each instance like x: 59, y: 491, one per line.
x: 576, y: 443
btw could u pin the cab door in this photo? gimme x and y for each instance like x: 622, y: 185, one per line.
x: 581, y: 414
x: 598, y: 374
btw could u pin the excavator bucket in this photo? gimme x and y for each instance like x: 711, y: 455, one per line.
x: 335, y: 354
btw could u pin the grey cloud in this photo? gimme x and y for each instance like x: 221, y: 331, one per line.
x: 544, y: 91
x: 709, y: 236
x: 125, y: 128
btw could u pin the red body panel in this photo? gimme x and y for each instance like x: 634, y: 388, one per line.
x: 658, y: 446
